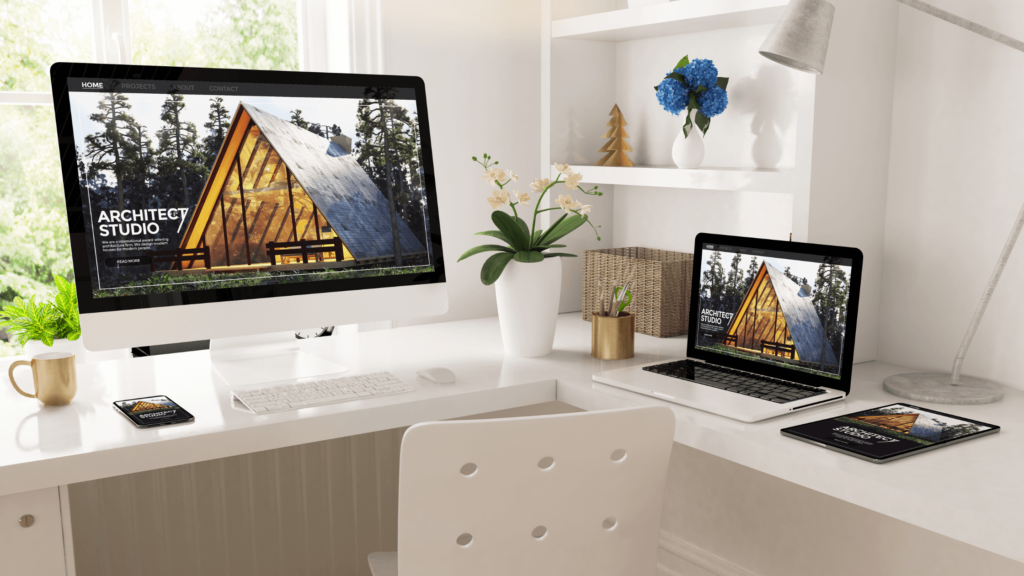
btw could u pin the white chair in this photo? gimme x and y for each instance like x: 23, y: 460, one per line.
x: 544, y: 495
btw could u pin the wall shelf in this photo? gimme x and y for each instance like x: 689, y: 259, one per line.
x: 726, y: 179
x: 668, y: 19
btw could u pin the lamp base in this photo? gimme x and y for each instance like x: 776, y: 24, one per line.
x: 939, y: 388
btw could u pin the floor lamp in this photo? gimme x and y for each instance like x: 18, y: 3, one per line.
x: 800, y: 40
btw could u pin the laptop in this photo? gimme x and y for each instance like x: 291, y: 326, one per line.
x: 771, y: 332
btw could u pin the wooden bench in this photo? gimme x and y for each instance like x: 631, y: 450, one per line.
x: 178, y: 257
x: 305, y: 248
x: 778, y: 349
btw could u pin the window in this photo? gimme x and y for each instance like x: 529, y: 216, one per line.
x: 256, y: 34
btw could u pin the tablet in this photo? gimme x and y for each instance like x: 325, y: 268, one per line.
x: 890, y: 432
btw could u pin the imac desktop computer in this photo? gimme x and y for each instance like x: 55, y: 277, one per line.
x: 234, y: 205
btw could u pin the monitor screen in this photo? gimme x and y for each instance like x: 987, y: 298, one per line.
x: 223, y: 189
x: 785, y: 309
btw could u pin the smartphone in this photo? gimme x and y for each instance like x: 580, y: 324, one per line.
x: 153, y: 411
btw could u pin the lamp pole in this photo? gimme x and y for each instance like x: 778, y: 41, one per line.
x: 800, y: 40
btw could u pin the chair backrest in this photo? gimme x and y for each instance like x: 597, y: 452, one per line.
x: 546, y: 495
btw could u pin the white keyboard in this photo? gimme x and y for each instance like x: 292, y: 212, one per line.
x: 290, y: 396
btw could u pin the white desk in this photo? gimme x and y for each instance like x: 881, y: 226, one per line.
x: 969, y: 492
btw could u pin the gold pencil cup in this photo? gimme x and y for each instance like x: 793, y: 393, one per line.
x: 612, y: 338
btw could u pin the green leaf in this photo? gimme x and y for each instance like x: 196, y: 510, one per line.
x: 494, y: 234
x: 564, y: 227
x: 703, y: 122
x: 508, y: 226
x: 559, y: 255
x: 485, y: 248
x: 701, y: 89
x: 676, y: 76
x: 693, y: 101
x: 493, y: 267
x: 723, y: 82
x: 549, y: 246
x: 625, y: 300
x: 535, y: 237
x: 687, y: 127
x: 526, y: 231
x: 529, y: 257
x: 683, y: 63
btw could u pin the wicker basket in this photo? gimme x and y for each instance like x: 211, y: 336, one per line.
x: 659, y: 282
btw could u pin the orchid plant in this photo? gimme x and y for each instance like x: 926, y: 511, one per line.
x: 527, y: 244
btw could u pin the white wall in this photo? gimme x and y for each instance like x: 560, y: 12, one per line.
x: 480, y: 61
x: 956, y: 184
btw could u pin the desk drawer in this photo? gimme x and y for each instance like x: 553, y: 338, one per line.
x: 37, y: 549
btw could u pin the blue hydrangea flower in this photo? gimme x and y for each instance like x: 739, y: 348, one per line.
x: 712, y: 102
x: 673, y: 95
x: 700, y: 72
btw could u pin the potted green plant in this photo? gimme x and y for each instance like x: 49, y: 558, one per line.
x: 526, y: 274
x: 46, y: 326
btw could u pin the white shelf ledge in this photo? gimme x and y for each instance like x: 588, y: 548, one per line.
x: 726, y: 179
x: 681, y: 17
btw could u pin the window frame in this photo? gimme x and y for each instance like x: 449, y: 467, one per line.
x: 112, y: 41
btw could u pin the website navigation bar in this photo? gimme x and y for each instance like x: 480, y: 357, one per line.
x: 232, y: 89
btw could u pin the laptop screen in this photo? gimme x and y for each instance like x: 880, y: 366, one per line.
x: 787, y: 310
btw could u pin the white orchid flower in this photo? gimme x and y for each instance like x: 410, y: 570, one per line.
x: 585, y: 209
x: 563, y: 168
x: 522, y: 197
x: 513, y: 177
x: 572, y: 180
x: 567, y: 203
x: 539, y: 184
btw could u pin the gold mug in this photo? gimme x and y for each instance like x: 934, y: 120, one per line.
x: 54, y: 376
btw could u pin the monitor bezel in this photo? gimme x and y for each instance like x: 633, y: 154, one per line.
x: 60, y: 72
x: 846, y: 362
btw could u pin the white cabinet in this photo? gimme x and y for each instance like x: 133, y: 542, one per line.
x: 37, y: 549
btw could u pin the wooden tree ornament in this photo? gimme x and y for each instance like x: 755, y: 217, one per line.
x: 617, y: 147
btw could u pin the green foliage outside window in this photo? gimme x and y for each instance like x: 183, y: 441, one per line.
x: 34, y: 247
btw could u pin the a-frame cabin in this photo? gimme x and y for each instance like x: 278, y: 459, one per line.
x: 898, y: 422
x: 307, y: 203
x: 777, y: 318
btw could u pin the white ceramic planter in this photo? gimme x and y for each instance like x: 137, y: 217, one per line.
x: 688, y: 152
x: 528, y: 296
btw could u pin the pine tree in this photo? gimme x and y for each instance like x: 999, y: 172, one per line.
x: 617, y: 147
x: 298, y: 120
x: 218, y: 127
x: 383, y: 136
x: 179, y: 144
x: 109, y: 149
x: 752, y: 271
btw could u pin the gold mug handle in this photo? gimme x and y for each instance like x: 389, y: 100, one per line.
x: 10, y: 375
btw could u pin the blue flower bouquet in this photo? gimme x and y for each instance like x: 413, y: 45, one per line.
x: 693, y: 86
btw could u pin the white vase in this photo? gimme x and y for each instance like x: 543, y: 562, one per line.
x: 528, y: 296
x: 688, y: 152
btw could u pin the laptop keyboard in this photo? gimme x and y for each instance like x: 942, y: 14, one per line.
x: 763, y: 387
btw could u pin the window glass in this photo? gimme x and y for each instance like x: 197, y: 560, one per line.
x: 37, y: 33
x: 254, y: 34
x: 34, y: 245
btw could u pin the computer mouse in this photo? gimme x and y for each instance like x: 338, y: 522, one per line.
x: 439, y: 375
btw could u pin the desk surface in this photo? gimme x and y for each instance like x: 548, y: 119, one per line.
x: 970, y: 492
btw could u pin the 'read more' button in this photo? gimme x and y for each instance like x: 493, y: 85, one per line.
x: 121, y: 261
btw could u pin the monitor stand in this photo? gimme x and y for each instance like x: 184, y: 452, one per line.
x: 266, y: 358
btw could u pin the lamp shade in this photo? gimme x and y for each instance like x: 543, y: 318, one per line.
x: 800, y: 39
